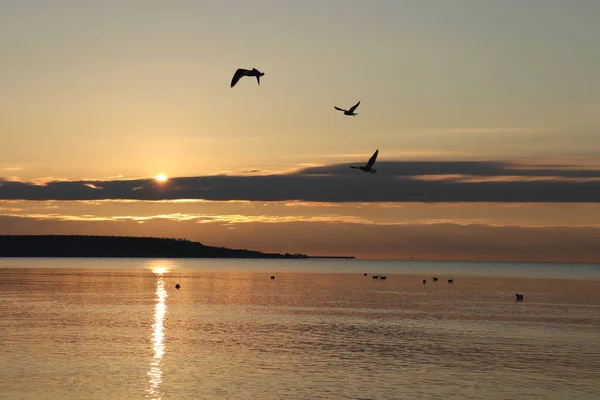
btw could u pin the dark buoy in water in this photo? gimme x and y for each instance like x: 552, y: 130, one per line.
x: 424, y: 281
x: 272, y: 277
x: 177, y: 286
x: 519, y: 297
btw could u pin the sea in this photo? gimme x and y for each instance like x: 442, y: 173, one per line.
x: 297, y: 329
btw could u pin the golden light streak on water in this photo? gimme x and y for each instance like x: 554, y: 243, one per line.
x: 158, y: 334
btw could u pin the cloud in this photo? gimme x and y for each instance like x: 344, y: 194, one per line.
x: 92, y: 186
x: 233, y: 219
x: 454, y: 181
x: 400, y: 154
x: 198, y: 218
x: 4, y: 210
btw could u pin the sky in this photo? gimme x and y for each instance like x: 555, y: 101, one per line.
x: 485, y: 114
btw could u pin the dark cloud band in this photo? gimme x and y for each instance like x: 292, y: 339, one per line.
x: 394, y: 182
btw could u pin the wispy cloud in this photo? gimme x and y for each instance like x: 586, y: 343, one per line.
x: 42, y: 181
x: 501, y: 178
x: 234, y: 219
x: 5, y: 210
x: 92, y: 186
x: 296, y: 203
x: 96, y: 218
x: 393, y: 154
x: 198, y: 218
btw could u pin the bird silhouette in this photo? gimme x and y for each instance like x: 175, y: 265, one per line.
x: 369, y: 166
x: 350, y: 111
x: 240, y: 73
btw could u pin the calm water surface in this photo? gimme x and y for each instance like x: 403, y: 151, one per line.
x: 118, y: 329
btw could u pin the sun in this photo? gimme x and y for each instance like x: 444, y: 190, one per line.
x: 161, y: 178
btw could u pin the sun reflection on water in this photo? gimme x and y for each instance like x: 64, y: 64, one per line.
x: 158, y: 345
x: 159, y: 270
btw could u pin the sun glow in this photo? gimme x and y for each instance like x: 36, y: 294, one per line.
x: 159, y: 270
x: 161, y: 178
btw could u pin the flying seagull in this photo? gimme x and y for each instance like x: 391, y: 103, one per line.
x: 245, y: 72
x: 350, y: 111
x: 369, y: 166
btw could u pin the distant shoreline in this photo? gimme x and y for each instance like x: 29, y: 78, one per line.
x: 88, y: 246
x: 334, y: 257
x: 267, y: 256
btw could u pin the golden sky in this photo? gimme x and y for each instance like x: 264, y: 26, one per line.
x: 485, y: 115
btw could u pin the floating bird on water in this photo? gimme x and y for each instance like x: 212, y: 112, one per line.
x: 519, y: 297
x: 450, y: 280
x: 272, y: 277
x: 350, y: 111
x: 424, y: 281
x: 435, y: 278
x: 369, y: 166
x: 240, y: 73
x: 365, y: 274
x: 177, y: 286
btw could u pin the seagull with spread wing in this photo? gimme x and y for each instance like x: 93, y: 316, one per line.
x: 350, y: 111
x: 369, y: 166
x: 240, y: 73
